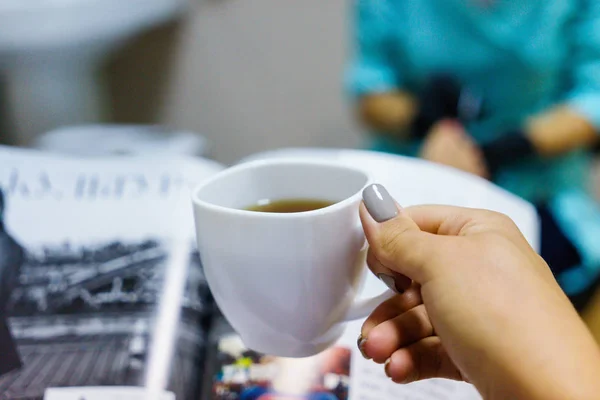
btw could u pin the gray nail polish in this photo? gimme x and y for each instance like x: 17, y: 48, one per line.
x: 389, y: 281
x: 379, y: 203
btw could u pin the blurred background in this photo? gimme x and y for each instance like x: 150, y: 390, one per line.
x: 247, y: 76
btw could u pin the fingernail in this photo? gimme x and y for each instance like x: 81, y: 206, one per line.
x: 390, y: 282
x: 360, y: 342
x: 379, y: 203
x: 386, y: 367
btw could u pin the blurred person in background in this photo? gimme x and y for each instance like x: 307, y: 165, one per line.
x: 507, y: 90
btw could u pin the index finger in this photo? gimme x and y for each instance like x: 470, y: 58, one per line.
x: 452, y: 220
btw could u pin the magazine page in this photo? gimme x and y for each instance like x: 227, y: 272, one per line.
x: 100, y: 284
x: 339, y: 373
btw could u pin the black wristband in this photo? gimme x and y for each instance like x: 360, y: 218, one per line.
x: 438, y: 100
x: 444, y: 98
x: 509, y: 148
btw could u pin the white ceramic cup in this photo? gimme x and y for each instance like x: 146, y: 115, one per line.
x: 286, y: 282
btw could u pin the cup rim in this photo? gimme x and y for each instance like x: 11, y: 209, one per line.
x: 197, y: 202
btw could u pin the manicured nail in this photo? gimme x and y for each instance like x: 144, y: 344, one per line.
x: 360, y: 342
x: 386, y: 368
x: 390, y: 282
x: 379, y: 203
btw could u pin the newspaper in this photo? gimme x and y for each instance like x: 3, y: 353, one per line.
x: 101, y: 289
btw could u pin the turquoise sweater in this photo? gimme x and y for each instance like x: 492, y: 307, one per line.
x: 525, y: 56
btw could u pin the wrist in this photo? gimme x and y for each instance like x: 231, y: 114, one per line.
x: 549, y: 356
x: 507, y: 149
x: 554, y: 367
x: 445, y: 98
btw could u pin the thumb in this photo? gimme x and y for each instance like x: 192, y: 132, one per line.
x: 395, y: 240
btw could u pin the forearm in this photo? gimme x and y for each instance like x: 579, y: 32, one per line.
x: 390, y: 113
x: 549, y: 355
x: 559, y: 131
x: 568, y: 370
x: 550, y: 134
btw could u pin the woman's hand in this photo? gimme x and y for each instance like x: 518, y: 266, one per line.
x: 449, y: 144
x: 483, y: 306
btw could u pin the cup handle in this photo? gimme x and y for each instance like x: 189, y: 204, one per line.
x: 362, y: 308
